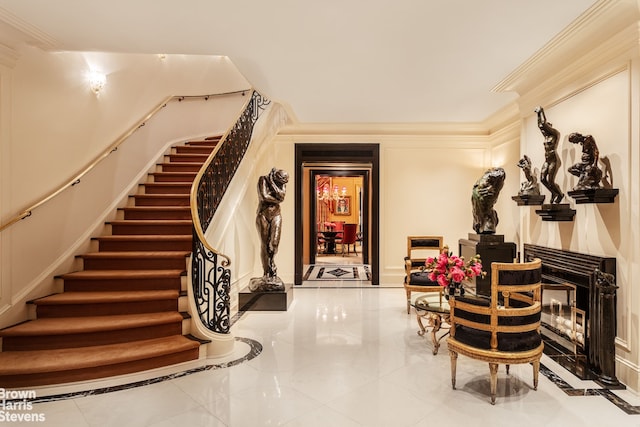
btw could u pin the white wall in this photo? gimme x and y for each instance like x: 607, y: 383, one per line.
x: 58, y: 126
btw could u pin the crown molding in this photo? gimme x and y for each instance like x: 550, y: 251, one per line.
x: 382, y: 129
x: 605, y: 31
x: 8, y: 56
x: 503, y: 118
x: 23, y: 32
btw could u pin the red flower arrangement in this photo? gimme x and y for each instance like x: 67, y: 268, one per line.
x: 446, y: 268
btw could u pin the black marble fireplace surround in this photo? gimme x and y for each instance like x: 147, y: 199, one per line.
x: 594, y: 357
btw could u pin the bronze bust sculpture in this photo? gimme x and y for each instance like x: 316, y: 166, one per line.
x: 483, y: 197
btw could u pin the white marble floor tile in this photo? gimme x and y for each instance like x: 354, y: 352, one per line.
x: 322, y: 417
x: 136, y: 407
x: 380, y: 403
x: 64, y: 413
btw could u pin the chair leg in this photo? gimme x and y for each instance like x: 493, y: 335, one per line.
x: 536, y: 370
x: 507, y: 369
x: 408, y: 302
x: 454, y: 361
x: 493, y: 369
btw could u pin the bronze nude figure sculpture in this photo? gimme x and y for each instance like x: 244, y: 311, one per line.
x: 551, y: 158
x: 530, y: 187
x: 271, y: 191
x: 588, y: 173
x: 483, y: 197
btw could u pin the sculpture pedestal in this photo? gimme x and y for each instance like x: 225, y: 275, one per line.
x: 265, y: 300
x: 528, y: 200
x: 556, y: 212
x: 594, y: 195
x: 491, y: 248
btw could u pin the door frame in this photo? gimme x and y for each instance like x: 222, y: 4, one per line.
x: 362, y: 171
x: 347, y: 157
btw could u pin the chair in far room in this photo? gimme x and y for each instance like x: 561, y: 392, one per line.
x: 349, y: 238
x: 416, y: 280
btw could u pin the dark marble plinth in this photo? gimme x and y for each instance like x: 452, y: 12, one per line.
x: 491, y: 248
x: 529, y: 200
x: 595, y: 195
x: 486, y: 238
x: 556, y: 212
x: 266, y: 301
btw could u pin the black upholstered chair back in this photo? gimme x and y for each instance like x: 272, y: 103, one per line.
x: 510, y: 319
x: 418, y: 249
x: 502, y: 329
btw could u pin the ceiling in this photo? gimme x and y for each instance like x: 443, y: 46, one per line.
x: 340, y: 61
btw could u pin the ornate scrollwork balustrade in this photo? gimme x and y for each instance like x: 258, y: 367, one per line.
x: 210, y: 275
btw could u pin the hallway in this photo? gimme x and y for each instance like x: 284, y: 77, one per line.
x: 340, y: 356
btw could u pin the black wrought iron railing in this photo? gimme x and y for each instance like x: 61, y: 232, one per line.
x: 210, y: 273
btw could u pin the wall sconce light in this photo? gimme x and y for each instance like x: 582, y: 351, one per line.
x: 97, y: 81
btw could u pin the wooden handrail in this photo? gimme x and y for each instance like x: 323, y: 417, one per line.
x: 195, y: 216
x: 113, y: 147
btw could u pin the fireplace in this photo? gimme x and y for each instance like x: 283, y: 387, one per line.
x: 579, y: 313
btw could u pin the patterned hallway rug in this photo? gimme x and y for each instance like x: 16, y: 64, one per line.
x: 337, y: 272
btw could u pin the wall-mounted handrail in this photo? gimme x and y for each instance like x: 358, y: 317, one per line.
x: 110, y: 149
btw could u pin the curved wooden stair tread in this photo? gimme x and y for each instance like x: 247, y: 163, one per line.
x: 116, y: 274
x: 152, y: 221
x: 68, y: 359
x: 77, y: 325
x: 145, y: 237
x: 156, y: 209
x: 137, y: 254
x: 106, y: 297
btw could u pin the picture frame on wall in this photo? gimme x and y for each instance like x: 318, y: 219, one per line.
x: 343, y: 206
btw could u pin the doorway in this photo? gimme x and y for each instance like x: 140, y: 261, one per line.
x: 339, y: 210
x: 344, y: 163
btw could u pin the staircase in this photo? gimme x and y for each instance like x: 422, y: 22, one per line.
x: 119, y: 314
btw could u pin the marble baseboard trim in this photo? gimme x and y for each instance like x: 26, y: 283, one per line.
x: 604, y: 392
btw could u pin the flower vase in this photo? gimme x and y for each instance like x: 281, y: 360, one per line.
x: 455, y: 289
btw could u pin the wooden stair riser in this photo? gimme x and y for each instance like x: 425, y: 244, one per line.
x: 211, y: 141
x: 138, y: 212
x: 124, y: 228
x: 167, y: 188
x: 133, y: 244
x: 103, y: 371
x: 161, y: 200
x: 188, y: 158
x: 122, y: 285
x: 194, y: 149
x: 179, y: 167
x: 127, y: 263
x: 106, y: 309
x: 173, y: 176
x: 48, y: 342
